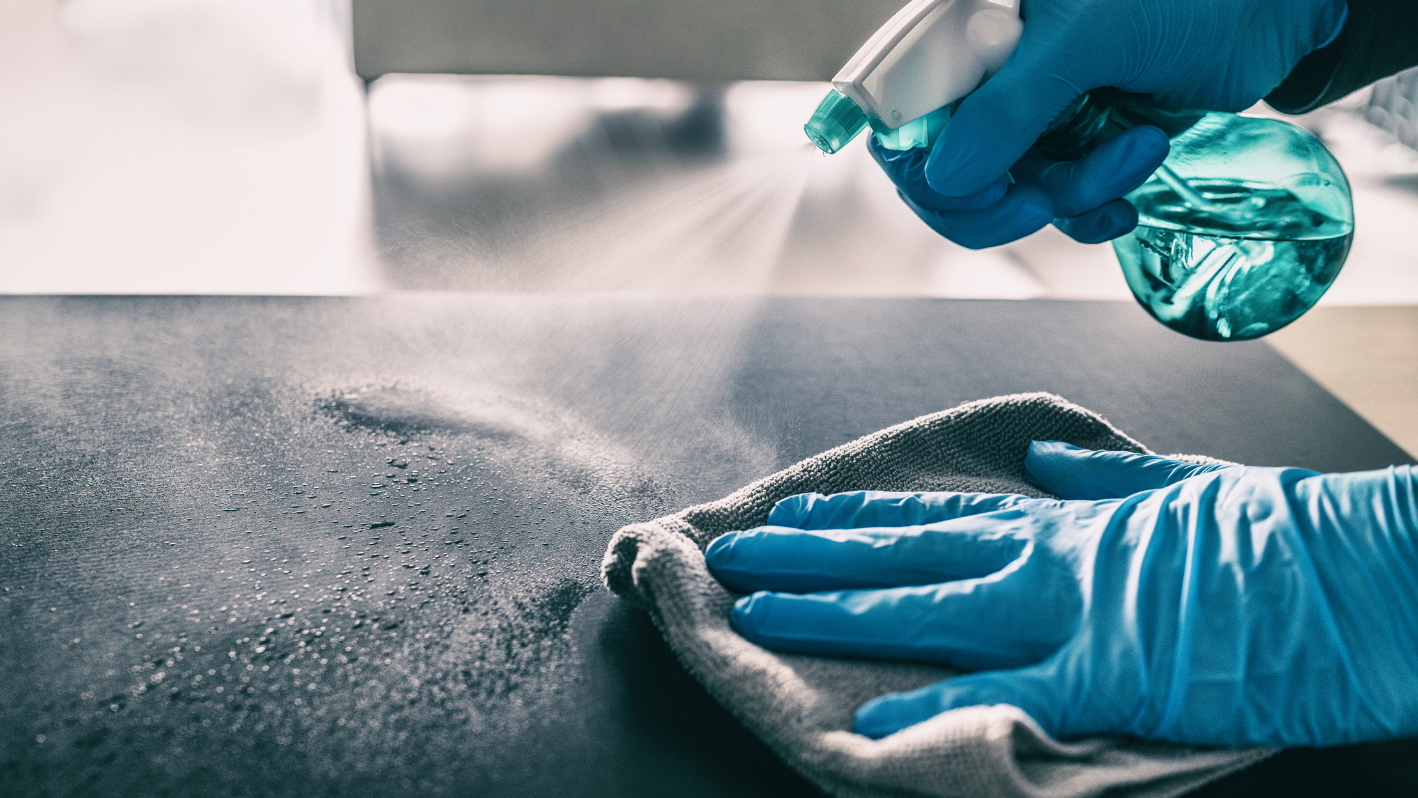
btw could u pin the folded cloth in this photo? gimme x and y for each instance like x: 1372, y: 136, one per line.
x: 802, y: 707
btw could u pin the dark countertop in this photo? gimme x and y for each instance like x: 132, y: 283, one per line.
x: 257, y: 546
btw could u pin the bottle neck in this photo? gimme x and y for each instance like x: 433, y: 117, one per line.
x: 1101, y: 114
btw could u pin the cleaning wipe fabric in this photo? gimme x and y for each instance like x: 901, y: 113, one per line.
x: 802, y: 706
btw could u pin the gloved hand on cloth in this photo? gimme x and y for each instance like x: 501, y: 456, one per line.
x: 1198, y: 604
x: 1212, y: 55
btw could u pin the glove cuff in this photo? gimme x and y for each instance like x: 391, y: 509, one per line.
x: 1376, y: 41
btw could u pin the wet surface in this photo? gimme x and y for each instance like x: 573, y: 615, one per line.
x: 295, y: 547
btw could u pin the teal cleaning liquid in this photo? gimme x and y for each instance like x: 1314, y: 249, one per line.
x: 1249, y: 262
x: 1241, y: 230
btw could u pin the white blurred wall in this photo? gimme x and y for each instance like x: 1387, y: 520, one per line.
x: 181, y: 146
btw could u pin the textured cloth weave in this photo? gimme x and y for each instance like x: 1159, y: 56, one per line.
x: 802, y: 707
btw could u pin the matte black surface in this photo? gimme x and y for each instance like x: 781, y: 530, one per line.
x: 413, y: 494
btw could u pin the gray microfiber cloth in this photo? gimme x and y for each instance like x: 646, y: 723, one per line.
x: 802, y: 707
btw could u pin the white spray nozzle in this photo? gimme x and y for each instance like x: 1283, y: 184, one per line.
x: 932, y: 53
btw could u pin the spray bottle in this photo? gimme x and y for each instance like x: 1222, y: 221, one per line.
x: 1240, y: 231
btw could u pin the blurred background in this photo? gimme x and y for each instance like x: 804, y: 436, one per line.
x: 330, y: 147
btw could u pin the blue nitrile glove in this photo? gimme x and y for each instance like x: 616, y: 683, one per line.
x: 1214, y: 55
x: 1080, y: 197
x: 1198, y: 604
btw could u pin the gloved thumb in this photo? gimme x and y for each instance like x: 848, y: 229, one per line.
x: 1034, y: 690
x: 999, y: 121
x: 1073, y: 473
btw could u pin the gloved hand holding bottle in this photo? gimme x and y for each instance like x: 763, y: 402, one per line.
x: 1218, y: 55
x: 1198, y: 604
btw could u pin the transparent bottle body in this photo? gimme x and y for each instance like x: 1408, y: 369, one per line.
x: 1244, y: 228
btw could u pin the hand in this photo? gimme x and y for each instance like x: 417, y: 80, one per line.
x: 1081, y: 198
x: 1215, y: 55
x: 1198, y: 604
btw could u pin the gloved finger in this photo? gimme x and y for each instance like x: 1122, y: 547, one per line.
x: 1117, y: 218
x: 1034, y: 690
x: 870, y: 508
x: 907, y: 169
x: 1115, y: 168
x: 798, y: 561
x: 1022, y: 211
x: 971, y: 624
x: 998, y: 122
x: 1070, y: 472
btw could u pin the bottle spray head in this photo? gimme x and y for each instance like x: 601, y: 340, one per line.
x: 836, y: 122
x: 930, y: 54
